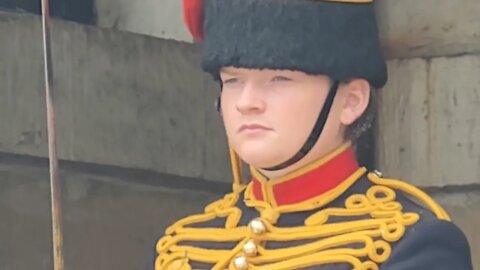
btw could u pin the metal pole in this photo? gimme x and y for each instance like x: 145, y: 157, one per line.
x: 55, y: 186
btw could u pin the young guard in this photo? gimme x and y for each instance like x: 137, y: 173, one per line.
x: 299, y: 80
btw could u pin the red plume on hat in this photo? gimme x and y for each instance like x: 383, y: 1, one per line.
x: 193, y: 16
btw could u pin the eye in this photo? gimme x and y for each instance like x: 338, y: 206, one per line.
x: 230, y: 81
x: 281, y: 79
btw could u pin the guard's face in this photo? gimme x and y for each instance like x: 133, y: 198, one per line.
x: 268, y: 114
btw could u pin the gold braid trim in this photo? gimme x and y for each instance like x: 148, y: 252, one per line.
x: 176, y: 257
x: 363, y: 242
x: 413, y: 191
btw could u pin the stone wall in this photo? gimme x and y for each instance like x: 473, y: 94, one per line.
x: 150, y: 17
x: 110, y: 220
x: 122, y: 99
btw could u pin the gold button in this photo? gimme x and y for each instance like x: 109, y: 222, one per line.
x: 240, y: 263
x: 257, y: 226
x: 250, y: 248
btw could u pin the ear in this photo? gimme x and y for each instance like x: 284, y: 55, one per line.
x: 356, y: 96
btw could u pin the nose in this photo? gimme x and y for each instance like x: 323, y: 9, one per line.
x: 251, y: 100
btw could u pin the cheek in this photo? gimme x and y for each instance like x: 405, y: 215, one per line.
x: 297, y: 116
x: 230, y: 114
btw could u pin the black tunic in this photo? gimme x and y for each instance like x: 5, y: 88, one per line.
x: 364, y: 227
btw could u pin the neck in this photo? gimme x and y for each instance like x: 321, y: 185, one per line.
x: 314, y: 155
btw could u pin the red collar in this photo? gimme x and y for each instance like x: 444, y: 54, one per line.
x: 306, y: 183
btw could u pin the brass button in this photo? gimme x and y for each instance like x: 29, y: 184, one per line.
x: 378, y: 173
x: 240, y: 263
x: 257, y: 226
x: 250, y: 248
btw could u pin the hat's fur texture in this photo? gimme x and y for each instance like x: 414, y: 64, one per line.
x: 330, y: 38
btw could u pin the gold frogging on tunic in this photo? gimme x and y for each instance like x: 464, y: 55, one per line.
x: 372, y: 236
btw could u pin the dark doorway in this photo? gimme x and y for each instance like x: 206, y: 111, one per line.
x: 82, y: 11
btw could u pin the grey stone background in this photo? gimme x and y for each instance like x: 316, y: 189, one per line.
x: 145, y: 146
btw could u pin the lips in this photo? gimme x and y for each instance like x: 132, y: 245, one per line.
x: 252, y: 127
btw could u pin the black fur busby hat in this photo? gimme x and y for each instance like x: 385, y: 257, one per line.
x: 337, y: 38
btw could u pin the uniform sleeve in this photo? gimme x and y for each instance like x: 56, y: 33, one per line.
x: 438, y: 245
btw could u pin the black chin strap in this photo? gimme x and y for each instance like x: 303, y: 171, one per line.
x: 316, y: 132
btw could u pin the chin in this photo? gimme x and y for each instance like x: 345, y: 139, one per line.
x: 258, y: 156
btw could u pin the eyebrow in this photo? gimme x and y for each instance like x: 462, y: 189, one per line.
x: 228, y: 72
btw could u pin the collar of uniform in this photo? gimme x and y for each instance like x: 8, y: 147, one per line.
x: 308, y: 182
